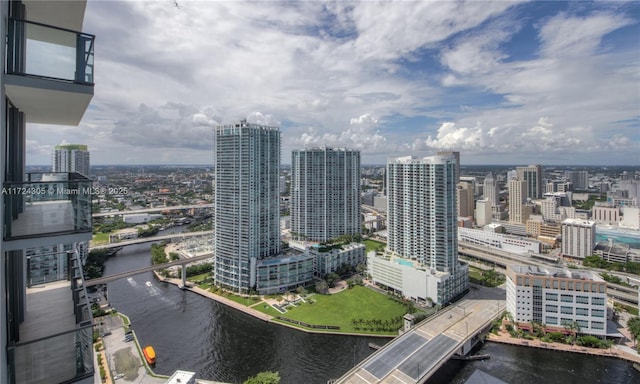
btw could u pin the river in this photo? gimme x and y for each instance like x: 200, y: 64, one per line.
x: 193, y: 333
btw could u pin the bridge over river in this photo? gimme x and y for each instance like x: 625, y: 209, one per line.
x: 416, y: 355
x: 174, y: 238
x: 181, y: 262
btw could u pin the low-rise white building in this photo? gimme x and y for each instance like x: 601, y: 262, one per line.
x: 330, y: 260
x: 557, y: 298
x: 140, y: 218
x: 407, y: 278
x: 123, y: 234
x: 285, y: 272
x: 506, y: 243
x: 631, y: 217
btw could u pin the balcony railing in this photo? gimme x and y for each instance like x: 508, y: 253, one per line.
x: 55, y: 352
x: 47, y: 204
x: 61, y: 358
x: 44, y: 51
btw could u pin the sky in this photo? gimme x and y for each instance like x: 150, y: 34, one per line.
x: 502, y: 82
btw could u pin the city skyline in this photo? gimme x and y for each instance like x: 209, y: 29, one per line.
x: 495, y: 80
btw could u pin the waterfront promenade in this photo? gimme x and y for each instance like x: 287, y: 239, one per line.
x: 620, y: 352
x: 221, y: 299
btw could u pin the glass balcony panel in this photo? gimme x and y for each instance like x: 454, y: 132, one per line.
x: 44, y: 51
x: 47, y: 204
x: 60, y: 358
x: 47, y: 267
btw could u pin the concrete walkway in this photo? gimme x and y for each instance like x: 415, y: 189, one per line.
x: 223, y: 300
x: 621, y: 353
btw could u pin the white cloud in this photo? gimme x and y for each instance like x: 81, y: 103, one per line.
x: 355, y: 74
x: 566, y: 35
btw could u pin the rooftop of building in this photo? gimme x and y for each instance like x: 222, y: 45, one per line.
x: 287, y: 256
x: 555, y: 272
x: 326, y: 149
x: 616, y: 248
x: 435, y: 159
x: 580, y: 222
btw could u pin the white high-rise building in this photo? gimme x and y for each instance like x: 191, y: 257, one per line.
x: 325, y: 193
x: 422, y: 230
x: 483, y: 212
x: 578, y: 238
x: 247, y: 212
x: 70, y: 158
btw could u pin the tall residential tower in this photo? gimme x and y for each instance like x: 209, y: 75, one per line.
x: 325, y: 193
x: 422, y: 242
x: 70, y: 158
x: 247, y: 211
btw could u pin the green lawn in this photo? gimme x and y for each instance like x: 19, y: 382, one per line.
x: 475, y: 273
x: 199, y: 277
x: 100, y: 238
x: 372, y: 245
x: 241, y: 299
x: 341, y: 308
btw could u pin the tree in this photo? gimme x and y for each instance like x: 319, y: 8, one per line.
x: 264, y: 378
x: 332, y: 278
x: 634, y: 327
x: 322, y: 287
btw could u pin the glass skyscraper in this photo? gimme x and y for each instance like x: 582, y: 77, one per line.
x: 247, y: 212
x: 325, y: 193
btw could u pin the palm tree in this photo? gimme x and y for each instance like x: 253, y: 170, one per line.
x: 634, y: 327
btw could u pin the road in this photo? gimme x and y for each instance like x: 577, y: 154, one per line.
x: 500, y: 259
x: 155, y: 209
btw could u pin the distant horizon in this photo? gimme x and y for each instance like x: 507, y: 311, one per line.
x: 368, y: 164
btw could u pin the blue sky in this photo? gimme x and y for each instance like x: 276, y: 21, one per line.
x: 501, y: 82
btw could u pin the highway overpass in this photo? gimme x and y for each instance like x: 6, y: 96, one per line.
x: 154, y: 209
x: 500, y: 259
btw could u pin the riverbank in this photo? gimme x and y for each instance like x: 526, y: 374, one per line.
x: 615, y: 351
x: 255, y: 313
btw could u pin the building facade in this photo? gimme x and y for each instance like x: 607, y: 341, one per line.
x: 491, y: 192
x: 517, y: 201
x: 330, y: 260
x: 578, y: 238
x: 70, y: 158
x: 465, y: 199
x: 606, y: 214
x: 422, y: 222
x: 579, y: 179
x: 247, y: 211
x: 532, y: 174
x: 559, y: 299
x: 325, y: 193
x: 512, y: 244
x: 51, y: 82
x: 483, y: 212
